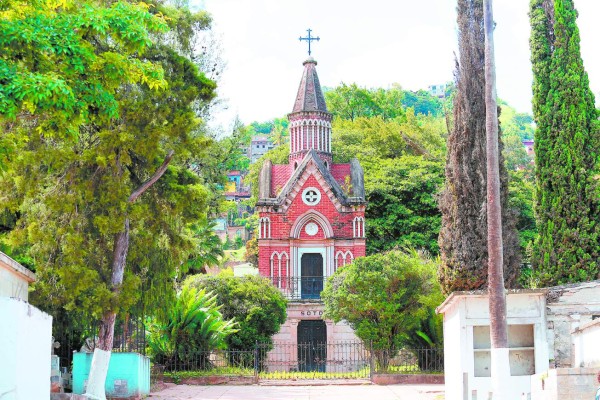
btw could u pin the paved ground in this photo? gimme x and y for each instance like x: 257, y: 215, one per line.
x: 330, y: 392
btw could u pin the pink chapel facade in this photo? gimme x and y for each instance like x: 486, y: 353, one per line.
x: 311, y: 221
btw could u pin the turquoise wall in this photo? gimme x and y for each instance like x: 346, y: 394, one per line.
x: 128, y: 374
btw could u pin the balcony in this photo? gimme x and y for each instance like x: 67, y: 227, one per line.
x: 299, y: 288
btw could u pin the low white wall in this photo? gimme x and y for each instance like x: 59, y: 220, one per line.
x: 25, y: 339
x: 587, y: 349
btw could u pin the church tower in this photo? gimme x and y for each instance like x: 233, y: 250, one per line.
x: 310, y: 122
x: 311, y: 221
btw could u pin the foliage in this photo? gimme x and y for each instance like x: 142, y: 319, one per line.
x: 402, y: 207
x: 252, y: 251
x: 403, y: 174
x: 253, y: 302
x: 423, y: 103
x: 74, y: 167
x: 567, y: 207
x: 385, y: 298
x: 515, y: 123
x: 50, y: 67
x: 193, y: 327
x: 208, y: 251
x: 463, y: 203
x: 350, y: 102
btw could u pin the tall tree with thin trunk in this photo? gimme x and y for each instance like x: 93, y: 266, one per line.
x: 497, y: 297
x: 463, y: 235
x: 567, y: 140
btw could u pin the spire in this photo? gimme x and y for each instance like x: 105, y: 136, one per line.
x: 310, y: 122
x: 310, y: 96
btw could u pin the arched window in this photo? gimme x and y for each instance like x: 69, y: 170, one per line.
x: 264, y: 228
x: 343, y: 258
x: 358, y: 227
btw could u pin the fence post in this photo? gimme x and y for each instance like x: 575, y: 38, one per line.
x: 371, y: 361
x: 256, y: 362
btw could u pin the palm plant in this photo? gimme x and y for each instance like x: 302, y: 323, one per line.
x: 209, y: 249
x: 193, y: 328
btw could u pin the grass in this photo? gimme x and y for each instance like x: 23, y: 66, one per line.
x: 177, y: 376
x: 236, y: 255
x: 278, y: 375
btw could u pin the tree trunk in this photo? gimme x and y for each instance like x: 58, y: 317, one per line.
x: 497, y: 297
x: 99, y: 368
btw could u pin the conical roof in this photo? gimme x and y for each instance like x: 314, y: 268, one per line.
x: 310, y: 96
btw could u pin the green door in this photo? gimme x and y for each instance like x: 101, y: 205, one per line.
x: 312, y: 345
x: 311, y: 280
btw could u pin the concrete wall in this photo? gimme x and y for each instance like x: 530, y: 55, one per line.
x: 25, y: 340
x: 587, y: 345
x: 569, y: 307
x: 14, y: 278
x: 564, y: 384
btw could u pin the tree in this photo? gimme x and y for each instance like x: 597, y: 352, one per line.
x: 402, y: 208
x: 194, y: 326
x: 78, y: 182
x: 567, y: 207
x: 350, y: 102
x: 257, y: 306
x: 500, y: 370
x: 463, y: 234
x: 384, y: 297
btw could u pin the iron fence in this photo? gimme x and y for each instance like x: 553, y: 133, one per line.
x: 279, y: 361
x: 80, y: 333
x: 299, y: 287
x: 409, y: 361
x: 217, y: 362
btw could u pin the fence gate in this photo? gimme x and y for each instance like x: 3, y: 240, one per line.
x: 314, y: 358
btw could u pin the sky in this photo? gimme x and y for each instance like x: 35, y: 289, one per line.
x: 373, y: 43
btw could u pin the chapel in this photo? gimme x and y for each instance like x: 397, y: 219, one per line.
x: 311, y: 217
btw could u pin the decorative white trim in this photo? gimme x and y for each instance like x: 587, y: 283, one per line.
x: 311, y: 196
x: 264, y: 228
x: 311, y: 229
x: 313, y: 216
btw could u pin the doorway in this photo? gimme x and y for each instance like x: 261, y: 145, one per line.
x: 311, y: 276
x: 312, y: 346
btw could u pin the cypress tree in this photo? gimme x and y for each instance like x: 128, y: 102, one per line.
x: 566, y: 150
x: 463, y: 236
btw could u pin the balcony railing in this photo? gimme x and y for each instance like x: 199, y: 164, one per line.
x: 299, y: 287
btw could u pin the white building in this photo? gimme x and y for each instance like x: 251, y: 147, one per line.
x: 25, y: 337
x: 551, y: 334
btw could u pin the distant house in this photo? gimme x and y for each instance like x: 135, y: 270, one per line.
x: 235, y: 189
x: 528, y: 144
x: 438, y: 90
x: 258, y: 147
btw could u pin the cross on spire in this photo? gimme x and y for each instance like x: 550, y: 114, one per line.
x: 309, y: 39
